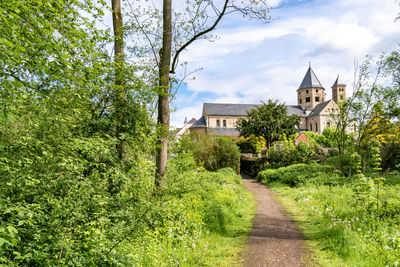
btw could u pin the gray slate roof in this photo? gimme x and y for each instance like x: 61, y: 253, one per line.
x: 227, y: 109
x: 200, y: 123
x: 223, y: 131
x: 318, y: 108
x: 336, y: 82
x: 240, y: 109
x: 310, y: 80
x: 295, y: 110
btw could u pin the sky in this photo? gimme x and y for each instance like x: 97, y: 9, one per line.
x: 251, y: 61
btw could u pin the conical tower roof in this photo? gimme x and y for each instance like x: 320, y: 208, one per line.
x: 310, y: 80
x: 336, y: 82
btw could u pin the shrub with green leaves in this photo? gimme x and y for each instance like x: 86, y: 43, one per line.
x: 213, y: 153
x: 251, y: 144
x: 298, y: 174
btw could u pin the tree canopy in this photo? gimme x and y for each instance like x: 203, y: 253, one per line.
x: 270, y: 120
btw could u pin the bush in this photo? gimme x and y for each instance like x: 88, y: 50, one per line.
x: 287, y: 154
x: 215, y: 153
x: 251, y: 144
x: 298, y: 174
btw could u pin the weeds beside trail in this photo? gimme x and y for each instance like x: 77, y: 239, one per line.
x: 344, y: 227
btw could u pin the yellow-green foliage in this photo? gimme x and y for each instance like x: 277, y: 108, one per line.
x: 251, y: 144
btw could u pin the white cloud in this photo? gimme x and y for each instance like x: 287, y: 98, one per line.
x: 253, y: 62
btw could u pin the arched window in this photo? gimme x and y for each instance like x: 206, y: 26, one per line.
x: 316, y: 127
x: 306, y: 91
x: 328, y: 124
x: 224, y: 123
x: 218, y: 123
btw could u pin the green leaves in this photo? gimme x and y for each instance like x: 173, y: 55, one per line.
x: 270, y: 120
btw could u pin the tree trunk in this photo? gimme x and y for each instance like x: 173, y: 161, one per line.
x: 163, y: 101
x: 119, y: 90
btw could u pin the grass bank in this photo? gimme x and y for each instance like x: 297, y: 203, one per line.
x: 341, y: 218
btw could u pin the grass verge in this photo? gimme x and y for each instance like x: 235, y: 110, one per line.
x: 341, y: 230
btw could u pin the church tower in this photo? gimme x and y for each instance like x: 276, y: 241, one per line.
x: 310, y: 92
x: 338, y: 91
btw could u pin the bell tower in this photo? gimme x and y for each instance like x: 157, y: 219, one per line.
x: 310, y: 92
x: 338, y: 91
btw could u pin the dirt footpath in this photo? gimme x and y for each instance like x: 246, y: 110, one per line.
x: 274, y: 239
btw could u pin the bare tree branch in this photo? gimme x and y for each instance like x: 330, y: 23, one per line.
x: 194, y: 38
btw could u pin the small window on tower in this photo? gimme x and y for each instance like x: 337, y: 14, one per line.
x: 308, y: 99
x: 317, y: 99
x: 299, y: 93
x: 300, y: 101
x: 306, y: 91
x: 316, y: 90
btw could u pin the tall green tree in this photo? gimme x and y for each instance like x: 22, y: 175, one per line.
x: 269, y: 120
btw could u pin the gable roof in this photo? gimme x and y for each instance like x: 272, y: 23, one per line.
x: 240, y: 109
x: 310, y: 80
x: 291, y: 110
x: 318, y: 108
x: 227, y: 109
x: 200, y: 123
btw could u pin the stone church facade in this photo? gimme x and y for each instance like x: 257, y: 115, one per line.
x: 312, y: 107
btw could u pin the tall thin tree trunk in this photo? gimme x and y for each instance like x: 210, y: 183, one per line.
x: 163, y: 101
x: 120, y: 91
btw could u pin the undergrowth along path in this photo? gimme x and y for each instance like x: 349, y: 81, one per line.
x: 274, y: 239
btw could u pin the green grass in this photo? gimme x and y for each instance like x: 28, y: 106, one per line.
x: 342, y: 231
x: 227, y: 249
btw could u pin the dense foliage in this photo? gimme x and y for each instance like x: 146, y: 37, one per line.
x: 251, y: 144
x: 67, y: 197
x: 213, y: 153
x: 269, y: 120
x: 89, y: 220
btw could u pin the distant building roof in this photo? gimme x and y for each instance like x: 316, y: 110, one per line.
x: 310, y: 80
x: 223, y: 131
x: 227, y: 109
x: 318, y: 108
x: 200, y: 123
x: 336, y: 83
x: 240, y: 109
x: 297, y: 110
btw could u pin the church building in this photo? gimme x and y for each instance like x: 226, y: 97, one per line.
x: 314, y: 110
